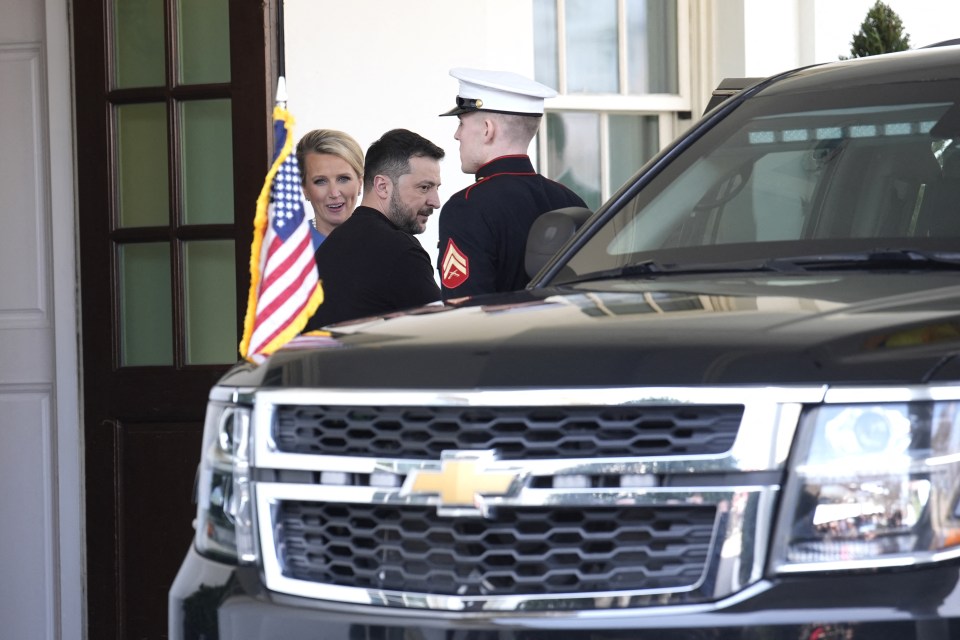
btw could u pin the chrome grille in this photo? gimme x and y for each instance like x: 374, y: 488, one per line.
x: 613, y: 498
x: 515, y: 432
x: 514, y: 552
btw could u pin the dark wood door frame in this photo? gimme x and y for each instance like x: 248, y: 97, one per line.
x: 142, y: 425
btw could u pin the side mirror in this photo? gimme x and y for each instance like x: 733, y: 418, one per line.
x: 549, y: 232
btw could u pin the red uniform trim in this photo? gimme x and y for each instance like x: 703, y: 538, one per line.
x: 466, y: 194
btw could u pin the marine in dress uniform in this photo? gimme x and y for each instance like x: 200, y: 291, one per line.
x: 483, y: 229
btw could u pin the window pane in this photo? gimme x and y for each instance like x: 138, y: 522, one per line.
x: 207, y: 165
x: 138, y: 37
x: 142, y: 149
x: 573, y: 153
x: 211, y: 302
x: 652, y: 46
x: 545, y: 42
x: 204, y: 41
x: 146, y: 317
x: 591, y: 55
x: 633, y: 141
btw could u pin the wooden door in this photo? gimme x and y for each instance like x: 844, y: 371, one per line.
x: 173, y: 106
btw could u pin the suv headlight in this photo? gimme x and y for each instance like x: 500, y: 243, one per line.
x: 224, y: 526
x: 871, y: 485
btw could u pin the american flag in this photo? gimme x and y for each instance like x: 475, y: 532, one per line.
x: 284, y: 286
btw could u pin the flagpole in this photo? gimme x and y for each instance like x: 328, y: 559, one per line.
x: 281, y: 47
x: 282, y: 92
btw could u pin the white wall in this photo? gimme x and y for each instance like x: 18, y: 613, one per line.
x: 369, y: 66
x: 769, y: 46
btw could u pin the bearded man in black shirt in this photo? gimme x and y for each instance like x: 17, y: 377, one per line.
x: 371, y: 264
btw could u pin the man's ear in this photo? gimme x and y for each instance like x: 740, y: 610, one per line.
x: 489, y: 129
x: 382, y: 186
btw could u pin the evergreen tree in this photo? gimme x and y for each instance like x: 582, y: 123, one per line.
x: 881, y: 32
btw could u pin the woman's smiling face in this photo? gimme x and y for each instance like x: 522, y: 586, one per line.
x: 332, y: 187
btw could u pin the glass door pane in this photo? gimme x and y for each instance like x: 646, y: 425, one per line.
x: 211, y: 302
x: 207, y: 162
x: 204, y: 41
x: 142, y: 169
x: 138, y: 38
x: 146, y: 316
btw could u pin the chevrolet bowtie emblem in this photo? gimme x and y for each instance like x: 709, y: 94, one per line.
x: 462, y: 481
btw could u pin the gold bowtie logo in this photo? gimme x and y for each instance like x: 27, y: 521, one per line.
x: 461, y: 480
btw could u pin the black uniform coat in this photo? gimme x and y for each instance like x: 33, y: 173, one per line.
x: 368, y: 266
x: 483, y: 228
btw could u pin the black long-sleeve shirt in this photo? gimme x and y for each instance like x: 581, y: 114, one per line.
x: 368, y: 267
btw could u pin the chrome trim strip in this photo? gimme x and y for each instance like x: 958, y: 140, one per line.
x: 526, y: 497
x: 905, y: 560
x: 841, y: 395
x: 536, y: 397
x: 571, y: 466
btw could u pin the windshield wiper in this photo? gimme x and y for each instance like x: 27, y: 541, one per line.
x: 875, y: 259
x: 650, y: 267
x: 638, y: 269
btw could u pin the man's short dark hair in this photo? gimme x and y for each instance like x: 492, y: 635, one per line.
x: 390, y: 155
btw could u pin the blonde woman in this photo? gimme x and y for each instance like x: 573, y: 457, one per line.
x: 331, y: 170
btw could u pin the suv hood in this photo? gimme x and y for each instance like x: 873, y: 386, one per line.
x: 818, y: 329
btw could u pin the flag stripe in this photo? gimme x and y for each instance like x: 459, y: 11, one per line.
x: 288, y: 301
x: 292, y: 280
x: 290, y: 306
x: 284, y: 258
x: 287, y: 298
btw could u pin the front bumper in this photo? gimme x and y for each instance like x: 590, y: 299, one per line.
x: 213, y: 600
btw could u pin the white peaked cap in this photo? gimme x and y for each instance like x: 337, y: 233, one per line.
x: 500, y: 91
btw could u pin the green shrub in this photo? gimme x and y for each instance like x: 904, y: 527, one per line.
x: 881, y: 32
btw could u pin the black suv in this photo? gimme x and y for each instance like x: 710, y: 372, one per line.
x: 727, y: 408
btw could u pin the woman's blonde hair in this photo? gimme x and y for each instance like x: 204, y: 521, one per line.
x: 333, y: 142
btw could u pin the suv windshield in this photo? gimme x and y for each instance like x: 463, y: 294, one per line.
x: 789, y: 178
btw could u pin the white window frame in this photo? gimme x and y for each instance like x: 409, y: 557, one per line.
x: 622, y: 101
x: 666, y: 107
